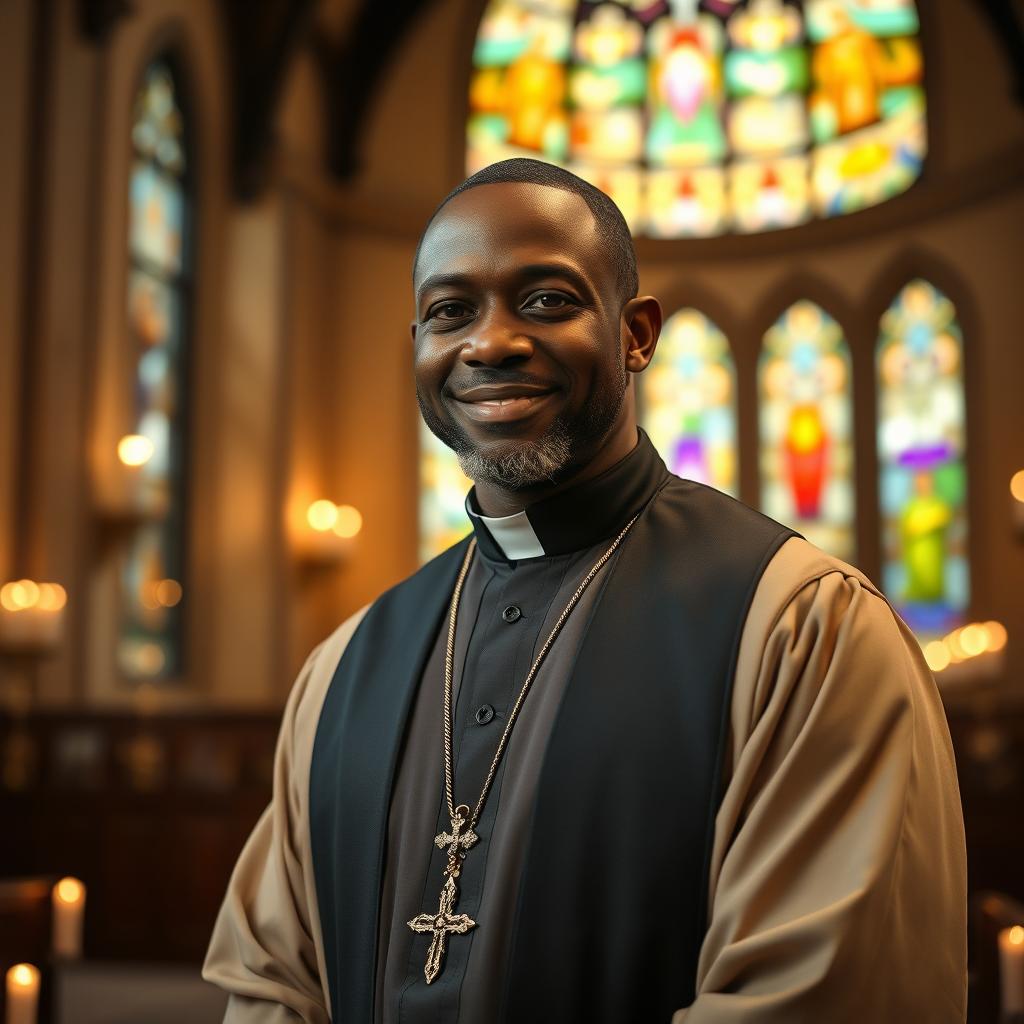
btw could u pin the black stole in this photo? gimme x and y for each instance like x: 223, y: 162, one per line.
x: 612, y: 908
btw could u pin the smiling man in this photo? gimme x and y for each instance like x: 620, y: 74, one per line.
x: 631, y: 752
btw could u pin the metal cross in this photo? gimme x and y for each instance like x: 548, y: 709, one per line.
x: 444, y: 922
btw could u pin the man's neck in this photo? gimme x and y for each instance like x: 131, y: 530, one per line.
x: 496, y: 501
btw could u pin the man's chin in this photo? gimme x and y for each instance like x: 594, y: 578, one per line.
x: 519, y: 465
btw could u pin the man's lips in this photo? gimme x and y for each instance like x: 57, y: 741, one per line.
x: 503, y: 404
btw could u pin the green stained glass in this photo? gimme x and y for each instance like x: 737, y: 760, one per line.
x: 922, y: 460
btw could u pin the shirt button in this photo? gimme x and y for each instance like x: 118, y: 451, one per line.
x: 484, y: 714
x: 511, y: 613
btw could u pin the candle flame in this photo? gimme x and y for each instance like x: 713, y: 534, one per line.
x: 322, y: 515
x: 23, y: 975
x: 1017, y: 485
x: 1017, y: 935
x: 134, y: 449
x: 69, y: 890
x: 349, y: 521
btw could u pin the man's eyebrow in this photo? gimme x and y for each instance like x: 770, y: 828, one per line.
x: 443, y: 281
x: 527, y: 273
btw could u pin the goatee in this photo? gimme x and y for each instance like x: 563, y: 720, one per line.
x: 519, y: 465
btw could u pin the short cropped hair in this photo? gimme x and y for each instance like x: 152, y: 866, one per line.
x: 610, y: 222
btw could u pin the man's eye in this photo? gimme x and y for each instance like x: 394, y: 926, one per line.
x: 450, y: 311
x: 548, y: 300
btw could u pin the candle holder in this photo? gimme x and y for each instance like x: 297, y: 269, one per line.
x: 327, y: 535
x: 124, y: 496
x: 31, y: 617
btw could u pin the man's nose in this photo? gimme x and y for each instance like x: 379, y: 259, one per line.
x: 496, y: 339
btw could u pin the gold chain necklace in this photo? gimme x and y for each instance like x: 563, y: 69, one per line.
x: 444, y: 922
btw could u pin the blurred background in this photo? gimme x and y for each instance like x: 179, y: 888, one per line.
x: 210, y: 450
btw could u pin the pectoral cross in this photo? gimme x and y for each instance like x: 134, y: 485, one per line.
x: 444, y: 922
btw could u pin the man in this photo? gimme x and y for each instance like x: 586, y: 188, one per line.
x: 633, y: 752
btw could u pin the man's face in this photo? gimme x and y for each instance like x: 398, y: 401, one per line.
x: 519, y: 350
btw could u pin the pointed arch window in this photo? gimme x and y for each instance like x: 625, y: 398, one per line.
x: 806, y: 428
x: 705, y: 117
x: 159, y: 203
x: 922, y: 441
x: 688, y: 401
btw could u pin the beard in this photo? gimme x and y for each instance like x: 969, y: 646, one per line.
x: 566, y: 445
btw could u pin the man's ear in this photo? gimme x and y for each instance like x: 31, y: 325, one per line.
x: 641, y: 322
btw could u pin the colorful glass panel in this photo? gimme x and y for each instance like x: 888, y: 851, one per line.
x: 806, y: 428
x: 149, y: 645
x: 702, y: 117
x: 443, y: 490
x: 922, y: 460
x: 688, y: 401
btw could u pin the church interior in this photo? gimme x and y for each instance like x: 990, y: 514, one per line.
x: 210, y: 448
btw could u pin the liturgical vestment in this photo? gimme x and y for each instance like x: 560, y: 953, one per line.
x: 748, y: 813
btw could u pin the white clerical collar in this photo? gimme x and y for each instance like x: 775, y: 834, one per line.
x: 513, y: 534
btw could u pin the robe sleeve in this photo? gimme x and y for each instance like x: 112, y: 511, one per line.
x: 838, y: 874
x: 266, y: 950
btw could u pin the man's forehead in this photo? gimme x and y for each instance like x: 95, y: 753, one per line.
x: 513, y: 220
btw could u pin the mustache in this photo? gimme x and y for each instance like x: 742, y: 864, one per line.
x: 490, y: 377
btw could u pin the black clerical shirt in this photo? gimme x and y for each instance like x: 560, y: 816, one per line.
x: 508, y: 608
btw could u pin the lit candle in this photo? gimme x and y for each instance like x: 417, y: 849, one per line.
x: 328, y: 533
x: 31, y: 615
x: 68, y: 914
x: 22, y: 994
x: 1011, y: 969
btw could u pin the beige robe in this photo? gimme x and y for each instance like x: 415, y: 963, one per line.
x: 838, y: 877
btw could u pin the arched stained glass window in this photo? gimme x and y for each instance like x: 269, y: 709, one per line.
x: 443, y: 490
x: 806, y: 428
x: 150, y: 642
x: 704, y: 117
x: 921, y: 454
x: 688, y: 401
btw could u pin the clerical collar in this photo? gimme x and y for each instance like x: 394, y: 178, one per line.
x: 576, y: 518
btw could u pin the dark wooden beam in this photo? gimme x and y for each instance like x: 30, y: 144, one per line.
x: 97, y: 18
x: 1006, y: 19
x: 354, y: 70
x: 262, y: 37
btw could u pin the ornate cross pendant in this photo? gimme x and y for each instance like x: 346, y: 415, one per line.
x: 444, y: 921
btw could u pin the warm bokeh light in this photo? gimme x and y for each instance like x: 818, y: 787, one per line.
x: 134, y: 449
x: 1017, y: 485
x: 965, y: 643
x: 349, y: 521
x: 973, y: 639
x: 996, y: 635
x: 23, y: 975
x: 322, y: 515
x: 19, y: 594
x: 937, y: 655
x: 69, y: 890
x: 150, y: 659
x: 168, y: 593
x: 1016, y: 935
x: 52, y: 597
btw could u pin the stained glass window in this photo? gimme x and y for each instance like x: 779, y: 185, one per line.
x: 157, y: 289
x: 703, y: 117
x: 688, y: 401
x: 443, y: 490
x: 921, y: 454
x: 806, y: 428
